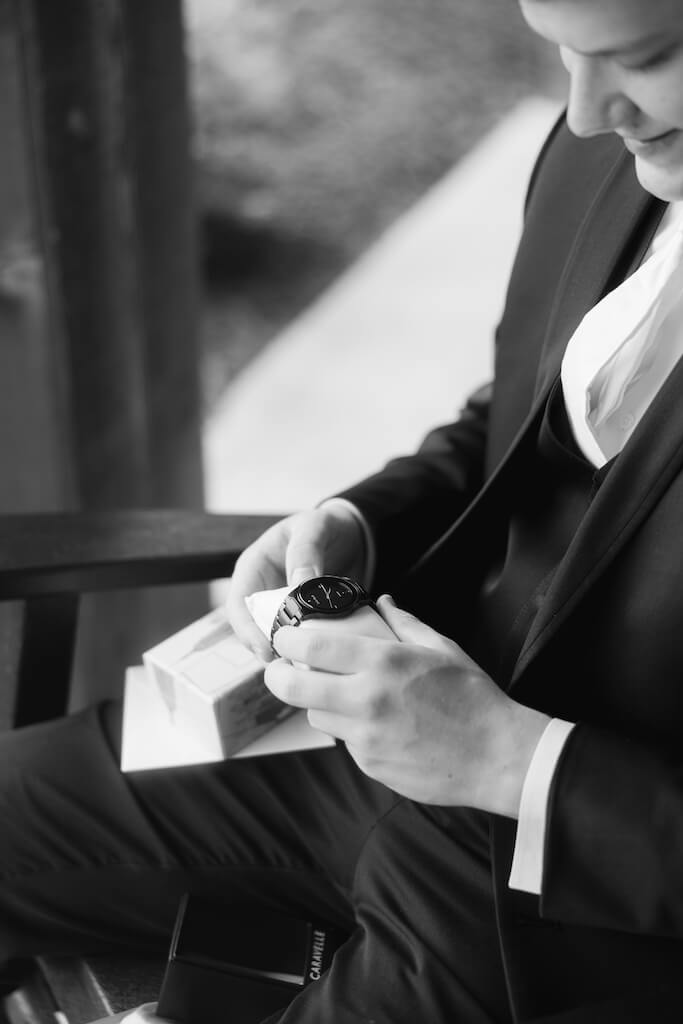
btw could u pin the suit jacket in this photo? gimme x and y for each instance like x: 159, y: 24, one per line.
x: 606, y: 646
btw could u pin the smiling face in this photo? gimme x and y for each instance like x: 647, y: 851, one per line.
x: 625, y: 64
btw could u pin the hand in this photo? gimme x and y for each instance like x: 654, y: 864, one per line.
x: 326, y: 539
x: 417, y: 715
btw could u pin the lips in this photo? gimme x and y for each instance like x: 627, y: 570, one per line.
x: 637, y: 146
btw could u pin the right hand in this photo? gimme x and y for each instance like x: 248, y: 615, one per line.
x: 307, y: 544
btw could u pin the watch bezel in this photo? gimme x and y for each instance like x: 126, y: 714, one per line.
x: 354, y: 588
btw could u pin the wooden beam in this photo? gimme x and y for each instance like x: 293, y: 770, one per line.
x: 75, y: 86
x: 159, y: 132
x: 104, y: 94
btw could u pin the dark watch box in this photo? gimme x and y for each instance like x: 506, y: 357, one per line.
x: 238, y: 965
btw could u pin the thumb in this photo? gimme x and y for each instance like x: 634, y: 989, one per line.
x: 303, y: 558
x: 407, y: 627
x: 303, y: 573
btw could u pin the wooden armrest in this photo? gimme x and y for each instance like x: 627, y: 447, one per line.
x: 73, y: 552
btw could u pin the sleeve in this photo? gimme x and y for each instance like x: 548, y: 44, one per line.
x: 614, y: 843
x: 526, y: 873
x: 370, y: 554
x: 413, y: 500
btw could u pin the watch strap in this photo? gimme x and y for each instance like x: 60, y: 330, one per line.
x: 291, y: 613
x: 288, y: 614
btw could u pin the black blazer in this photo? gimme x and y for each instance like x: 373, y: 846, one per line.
x: 606, y: 649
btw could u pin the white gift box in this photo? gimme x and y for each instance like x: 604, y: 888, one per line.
x: 212, y: 686
x: 151, y: 741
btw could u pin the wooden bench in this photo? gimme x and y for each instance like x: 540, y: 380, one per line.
x: 47, y: 562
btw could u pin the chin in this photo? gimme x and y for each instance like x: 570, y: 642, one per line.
x: 662, y: 182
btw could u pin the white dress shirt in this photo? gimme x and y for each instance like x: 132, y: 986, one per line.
x: 615, y: 363
x: 625, y: 347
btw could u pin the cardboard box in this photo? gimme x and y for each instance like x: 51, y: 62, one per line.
x: 150, y: 741
x: 212, y: 686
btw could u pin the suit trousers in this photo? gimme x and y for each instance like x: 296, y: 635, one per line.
x: 91, y: 859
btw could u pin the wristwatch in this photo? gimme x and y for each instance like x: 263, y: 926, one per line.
x: 320, y: 597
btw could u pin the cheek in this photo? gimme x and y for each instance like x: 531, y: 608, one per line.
x: 667, y: 110
x: 662, y: 101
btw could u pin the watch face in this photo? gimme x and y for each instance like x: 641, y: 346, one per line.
x: 327, y: 594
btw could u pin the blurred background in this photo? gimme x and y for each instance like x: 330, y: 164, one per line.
x: 318, y: 123
x: 313, y: 125
x: 249, y: 250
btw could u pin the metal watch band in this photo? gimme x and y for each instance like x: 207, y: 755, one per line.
x: 291, y: 613
x: 283, y: 617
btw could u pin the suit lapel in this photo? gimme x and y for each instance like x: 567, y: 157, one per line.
x: 654, y: 454
x: 610, y: 242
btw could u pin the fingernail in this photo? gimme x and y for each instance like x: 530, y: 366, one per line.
x: 389, y: 600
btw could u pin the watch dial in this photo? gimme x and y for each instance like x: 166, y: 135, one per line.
x: 327, y: 594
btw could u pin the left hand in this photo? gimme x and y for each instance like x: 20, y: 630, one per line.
x: 417, y: 715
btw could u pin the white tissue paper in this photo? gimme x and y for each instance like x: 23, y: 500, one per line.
x: 365, y: 621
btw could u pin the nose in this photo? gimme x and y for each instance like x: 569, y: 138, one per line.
x: 596, y: 103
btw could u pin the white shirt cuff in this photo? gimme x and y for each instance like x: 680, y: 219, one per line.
x: 370, y: 550
x: 527, y: 863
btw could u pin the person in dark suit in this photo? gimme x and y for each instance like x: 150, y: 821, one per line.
x: 557, y: 573
x: 501, y: 825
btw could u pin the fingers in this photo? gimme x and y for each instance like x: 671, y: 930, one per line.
x: 410, y: 629
x: 246, y: 629
x: 260, y: 567
x: 305, y: 551
x: 252, y: 637
x: 307, y: 688
x: 249, y: 634
x: 325, y: 539
x: 341, y: 653
x: 296, y: 549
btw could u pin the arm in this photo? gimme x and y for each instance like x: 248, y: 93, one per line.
x: 415, y: 499
x: 614, y: 844
x: 404, y: 508
x: 412, y: 501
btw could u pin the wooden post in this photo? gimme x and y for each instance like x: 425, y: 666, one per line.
x: 35, y: 467
x: 160, y: 130
x: 115, y: 352
x: 75, y: 83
